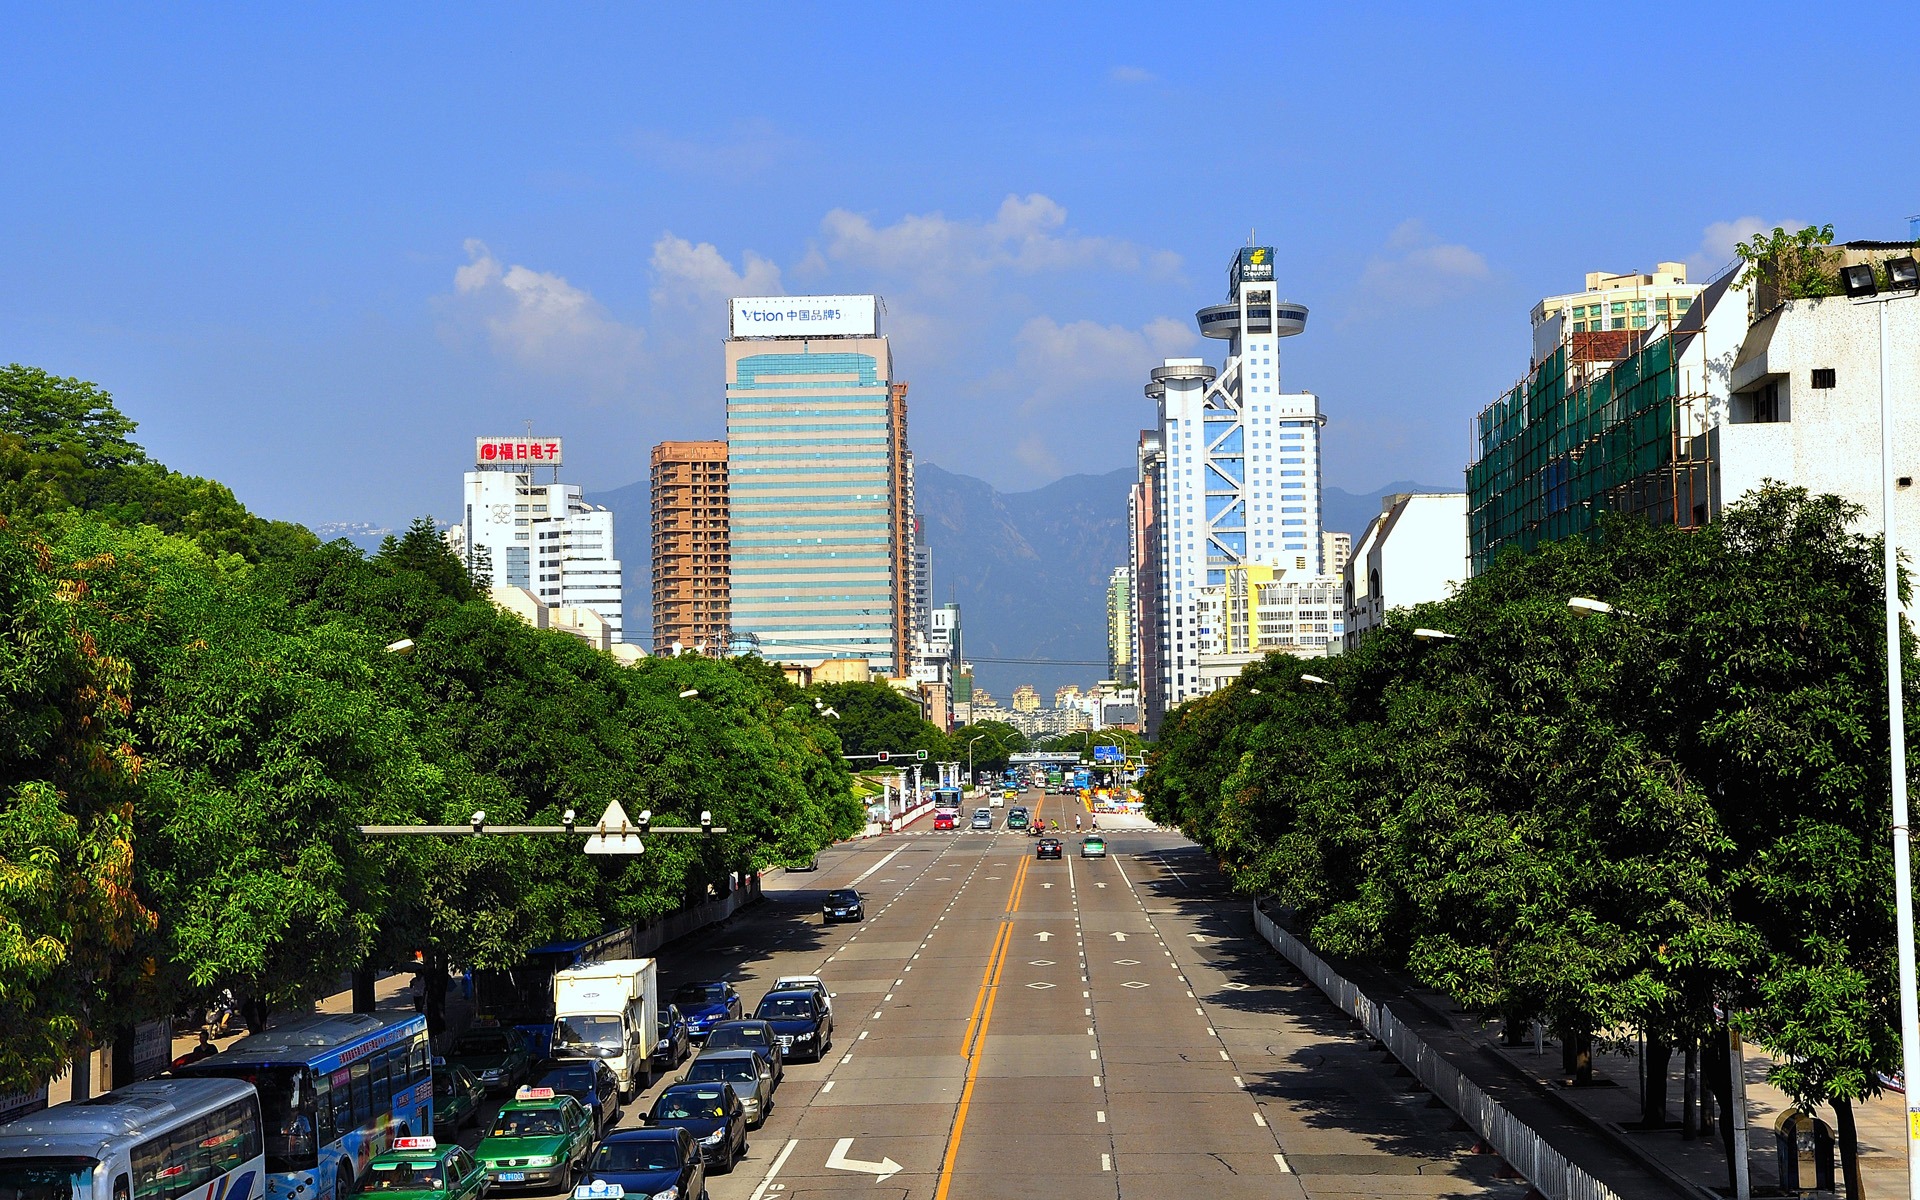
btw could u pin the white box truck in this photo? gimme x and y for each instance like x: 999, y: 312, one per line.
x: 607, y: 1010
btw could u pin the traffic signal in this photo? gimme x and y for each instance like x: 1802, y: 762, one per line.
x: 884, y: 755
x: 921, y: 755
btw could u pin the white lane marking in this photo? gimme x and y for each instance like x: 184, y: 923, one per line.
x: 1281, y: 1160
x: 889, y: 996
x: 846, y: 1058
x: 1237, y: 1083
x: 827, y: 1086
x: 1259, y: 1120
x: 1101, y: 1116
x: 1223, y: 1053
x: 1106, y: 1162
x: 1094, y: 1054
x: 778, y: 1162
x: 1096, y: 1081
x: 1210, y: 1032
x: 875, y: 867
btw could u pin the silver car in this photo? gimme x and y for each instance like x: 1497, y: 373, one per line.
x: 742, y: 1070
x: 983, y: 818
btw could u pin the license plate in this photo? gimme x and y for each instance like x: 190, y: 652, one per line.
x: 786, y: 1043
x: 513, y: 1177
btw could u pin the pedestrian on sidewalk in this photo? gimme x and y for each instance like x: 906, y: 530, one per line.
x: 419, y: 989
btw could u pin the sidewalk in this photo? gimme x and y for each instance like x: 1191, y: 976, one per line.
x: 1603, y: 1115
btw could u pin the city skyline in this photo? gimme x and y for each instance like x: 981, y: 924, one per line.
x: 387, y: 266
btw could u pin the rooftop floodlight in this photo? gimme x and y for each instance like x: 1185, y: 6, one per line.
x: 690, y: 693
x: 1314, y: 679
x: 1903, y: 274
x: 1434, y: 635
x: 1857, y: 280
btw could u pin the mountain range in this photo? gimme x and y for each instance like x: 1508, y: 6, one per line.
x: 1028, y: 569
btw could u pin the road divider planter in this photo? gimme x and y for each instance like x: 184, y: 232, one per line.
x: 1550, y: 1172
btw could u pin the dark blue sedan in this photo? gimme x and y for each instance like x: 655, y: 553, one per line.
x: 711, y: 1113
x: 705, y: 1005
x: 674, y: 1040
x: 651, y: 1162
x: 590, y: 1081
x: 802, y: 1023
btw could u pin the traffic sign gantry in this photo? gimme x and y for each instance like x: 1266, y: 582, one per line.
x: 617, y: 835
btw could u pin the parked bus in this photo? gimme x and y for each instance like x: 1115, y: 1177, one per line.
x: 335, y: 1090
x: 158, y: 1139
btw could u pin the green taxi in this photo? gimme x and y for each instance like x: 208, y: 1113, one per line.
x: 539, y: 1141
x: 457, y: 1096
x: 420, y: 1166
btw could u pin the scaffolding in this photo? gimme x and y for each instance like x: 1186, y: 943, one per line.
x: 1600, y: 426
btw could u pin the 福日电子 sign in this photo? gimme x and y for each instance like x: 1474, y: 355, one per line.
x: 500, y: 451
x: 805, y: 316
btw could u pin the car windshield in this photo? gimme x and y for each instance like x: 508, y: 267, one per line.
x: 737, y: 1035
x: 567, y: 1079
x: 701, y: 993
x: 787, y: 1007
x: 639, y: 1154
x: 721, y: 1070
x: 443, y: 1085
x: 684, y: 1103
x: 404, y: 1177
x: 61, y: 1177
x: 843, y: 897
x: 982, y: 812
x: 588, y: 1031
x: 529, y: 1122
x: 484, y: 1041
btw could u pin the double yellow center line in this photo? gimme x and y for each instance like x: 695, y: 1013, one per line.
x: 972, y: 1045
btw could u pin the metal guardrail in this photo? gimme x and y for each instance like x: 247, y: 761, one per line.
x: 1550, y: 1171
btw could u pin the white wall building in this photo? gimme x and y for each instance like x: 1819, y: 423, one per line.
x: 519, y: 531
x: 1414, y: 552
x: 1241, y: 464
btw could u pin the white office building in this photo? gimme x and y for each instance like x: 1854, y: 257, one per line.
x: 1241, y: 466
x: 518, y: 530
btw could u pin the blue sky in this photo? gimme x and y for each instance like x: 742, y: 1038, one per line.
x: 314, y: 253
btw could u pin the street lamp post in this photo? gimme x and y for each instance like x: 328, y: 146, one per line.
x: 970, y: 741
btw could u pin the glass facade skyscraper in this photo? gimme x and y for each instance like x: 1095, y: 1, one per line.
x: 815, y: 438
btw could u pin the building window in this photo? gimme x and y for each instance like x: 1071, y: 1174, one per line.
x: 1823, y: 378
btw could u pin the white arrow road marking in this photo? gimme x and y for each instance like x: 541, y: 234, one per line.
x: 1118, y: 936
x: 883, y: 1170
x: 1099, y: 885
x: 1047, y: 886
x: 1198, y: 937
x: 1044, y: 936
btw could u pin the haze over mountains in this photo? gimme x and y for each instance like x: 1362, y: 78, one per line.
x: 1029, y: 569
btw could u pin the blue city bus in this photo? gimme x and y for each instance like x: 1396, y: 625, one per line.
x: 335, y: 1090
x: 522, y: 996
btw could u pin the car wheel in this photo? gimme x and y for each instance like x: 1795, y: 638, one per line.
x: 733, y: 1156
x: 342, y: 1183
x: 566, y: 1179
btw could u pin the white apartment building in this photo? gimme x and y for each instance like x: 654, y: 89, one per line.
x: 1414, y: 552
x: 1240, y: 467
x: 1260, y: 610
x: 519, y: 531
x: 1335, y: 550
x: 1613, y: 303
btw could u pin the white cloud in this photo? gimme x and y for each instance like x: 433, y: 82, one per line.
x: 1059, y: 367
x: 1719, y: 241
x: 1416, y: 269
x: 1028, y: 235
x: 699, y: 276
x: 1036, y: 454
x: 541, y: 321
x: 1125, y: 74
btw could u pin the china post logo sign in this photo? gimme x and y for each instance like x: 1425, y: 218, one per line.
x: 1253, y: 264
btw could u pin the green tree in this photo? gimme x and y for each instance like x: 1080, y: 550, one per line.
x: 874, y: 717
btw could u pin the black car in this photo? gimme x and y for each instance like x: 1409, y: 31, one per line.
x: 590, y: 1081
x: 804, y: 1025
x: 711, y: 1112
x: 673, y: 1039
x: 842, y: 904
x: 750, y: 1034
x: 652, y: 1162
x: 1047, y: 847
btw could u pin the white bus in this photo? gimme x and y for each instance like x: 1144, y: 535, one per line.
x: 159, y: 1139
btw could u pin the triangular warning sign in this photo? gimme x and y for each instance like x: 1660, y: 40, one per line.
x: 615, y: 833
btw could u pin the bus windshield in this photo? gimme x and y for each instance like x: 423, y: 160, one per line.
x: 60, y: 1177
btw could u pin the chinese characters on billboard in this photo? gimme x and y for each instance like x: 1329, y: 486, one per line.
x: 805, y: 316
x: 505, y: 451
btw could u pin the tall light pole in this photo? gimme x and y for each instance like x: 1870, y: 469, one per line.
x: 970, y: 741
x: 1858, y: 282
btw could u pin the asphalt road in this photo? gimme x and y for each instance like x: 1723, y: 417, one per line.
x: 1007, y: 1028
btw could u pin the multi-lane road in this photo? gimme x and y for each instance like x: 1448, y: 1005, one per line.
x: 1006, y: 1027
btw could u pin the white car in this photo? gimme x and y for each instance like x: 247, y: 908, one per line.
x: 811, y: 983
x: 983, y: 818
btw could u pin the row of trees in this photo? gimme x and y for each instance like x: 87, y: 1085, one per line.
x: 197, y: 710
x: 1669, y: 819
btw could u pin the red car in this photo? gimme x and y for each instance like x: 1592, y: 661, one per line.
x: 944, y: 820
